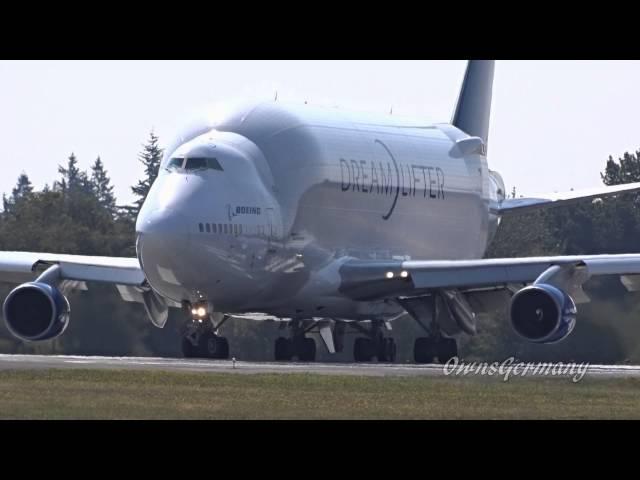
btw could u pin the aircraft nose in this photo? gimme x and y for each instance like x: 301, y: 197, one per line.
x: 161, y: 235
x: 162, y: 222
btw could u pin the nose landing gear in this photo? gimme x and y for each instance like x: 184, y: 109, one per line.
x: 200, y: 338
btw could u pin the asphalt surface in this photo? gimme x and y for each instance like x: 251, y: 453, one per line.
x: 31, y: 362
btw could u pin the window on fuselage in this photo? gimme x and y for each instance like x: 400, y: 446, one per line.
x: 213, y: 227
x: 201, y: 227
x: 202, y: 163
x: 208, y: 228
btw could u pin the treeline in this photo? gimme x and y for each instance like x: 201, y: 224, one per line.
x: 78, y: 214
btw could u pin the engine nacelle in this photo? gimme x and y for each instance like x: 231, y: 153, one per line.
x: 36, y: 311
x: 543, y: 313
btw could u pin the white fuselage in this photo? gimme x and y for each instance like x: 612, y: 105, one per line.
x: 298, y: 191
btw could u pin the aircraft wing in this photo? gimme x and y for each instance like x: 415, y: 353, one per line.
x: 75, y: 270
x: 370, y: 280
x: 517, y: 205
x: 26, y: 266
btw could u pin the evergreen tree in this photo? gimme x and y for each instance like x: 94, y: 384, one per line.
x: 73, y: 179
x: 625, y: 170
x: 23, y: 189
x: 150, y: 157
x: 102, y: 187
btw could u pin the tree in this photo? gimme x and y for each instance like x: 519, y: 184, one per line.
x: 102, y: 188
x: 73, y: 180
x: 72, y: 219
x: 23, y: 189
x: 625, y: 170
x: 150, y: 157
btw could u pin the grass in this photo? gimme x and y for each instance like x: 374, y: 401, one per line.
x: 135, y: 394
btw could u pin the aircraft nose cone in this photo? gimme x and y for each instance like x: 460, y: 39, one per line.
x: 162, y: 235
x: 162, y: 222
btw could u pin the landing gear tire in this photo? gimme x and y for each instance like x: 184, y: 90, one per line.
x: 303, y: 348
x: 424, y: 350
x: 447, y: 349
x: 387, y: 351
x: 307, y: 350
x: 362, y: 349
x: 213, y: 346
x: 283, y: 350
x: 223, y: 348
x: 188, y: 349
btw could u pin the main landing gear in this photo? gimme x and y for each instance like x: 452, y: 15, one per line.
x: 428, y: 349
x: 375, y: 344
x: 200, y: 338
x: 298, y: 345
x: 435, y: 346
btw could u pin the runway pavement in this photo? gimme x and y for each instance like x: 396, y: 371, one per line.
x: 22, y: 362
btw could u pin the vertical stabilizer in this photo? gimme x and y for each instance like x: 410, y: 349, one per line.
x: 473, y: 110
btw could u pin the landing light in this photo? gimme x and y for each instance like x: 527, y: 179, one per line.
x: 404, y: 274
x: 201, y: 312
x: 389, y: 274
x: 194, y: 312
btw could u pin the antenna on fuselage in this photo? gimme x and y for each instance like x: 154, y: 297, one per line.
x: 276, y: 97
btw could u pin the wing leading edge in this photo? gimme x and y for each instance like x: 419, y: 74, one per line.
x: 518, y: 205
x: 25, y: 266
x: 366, y: 280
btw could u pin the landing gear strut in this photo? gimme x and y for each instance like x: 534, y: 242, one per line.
x: 298, y: 345
x: 200, y: 339
x: 374, y: 345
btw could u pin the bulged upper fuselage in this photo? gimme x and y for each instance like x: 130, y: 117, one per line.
x: 257, y: 212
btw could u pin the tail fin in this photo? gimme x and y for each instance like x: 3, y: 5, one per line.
x: 474, y: 103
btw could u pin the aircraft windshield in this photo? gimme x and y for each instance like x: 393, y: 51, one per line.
x: 201, y: 163
x: 175, y: 163
x: 194, y: 163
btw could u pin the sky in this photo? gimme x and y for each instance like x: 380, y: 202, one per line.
x: 553, y: 126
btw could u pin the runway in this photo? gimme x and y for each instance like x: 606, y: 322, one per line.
x: 39, y: 362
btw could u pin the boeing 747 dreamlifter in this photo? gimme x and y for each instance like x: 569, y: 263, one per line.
x: 332, y: 222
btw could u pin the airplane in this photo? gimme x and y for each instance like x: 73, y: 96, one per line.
x: 330, y: 222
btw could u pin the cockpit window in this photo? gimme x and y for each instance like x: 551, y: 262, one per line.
x: 200, y: 163
x: 175, y: 162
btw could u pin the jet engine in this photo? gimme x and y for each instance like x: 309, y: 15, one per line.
x: 36, y: 311
x: 542, y: 313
